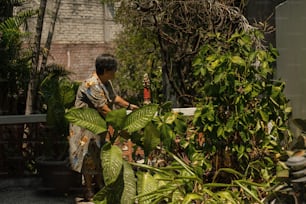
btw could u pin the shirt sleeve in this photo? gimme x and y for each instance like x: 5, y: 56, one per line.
x: 90, y: 95
x: 96, y: 95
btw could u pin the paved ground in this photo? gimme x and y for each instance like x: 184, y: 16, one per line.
x: 30, y: 191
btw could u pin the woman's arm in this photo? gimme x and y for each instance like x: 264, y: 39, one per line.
x: 123, y: 103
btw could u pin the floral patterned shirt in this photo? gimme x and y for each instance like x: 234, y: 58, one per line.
x: 92, y: 93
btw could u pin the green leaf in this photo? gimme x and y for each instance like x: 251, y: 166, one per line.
x: 216, y: 185
x: 197, y: 62
x: 248, y: 88
x: 170, y: 118
x: 234, y: 36
x: 238, y: 60
x: 225, y: 195
x: 192, y: 197
x: 151, y: 138
x: 162, y: 179
x: 100, y: 202
x: 111, y: 160
x: 167, y: 135
x: 248, y: 191
x: 276, y: 90
x: 219, y: 77
x: 129, y: 179
x: 116, y: 118
x: 183, y: 164
x: 197, y: 115
x: 215, y: 64
x: 180, y: 125
x: 228, y: 170
x: 66, y: 91
x: 87, y: 118
x: 288, y: 109
x: 203, y: 71
x: 220, y: 131
x: 264, y: 116
x: 115, y: 190
x: 101, y: 196
x: 145, y: 184
x: 139, y: 118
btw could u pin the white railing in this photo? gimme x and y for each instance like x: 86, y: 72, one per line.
x: 40, y: 118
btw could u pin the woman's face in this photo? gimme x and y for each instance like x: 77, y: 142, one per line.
x: 109, y: 75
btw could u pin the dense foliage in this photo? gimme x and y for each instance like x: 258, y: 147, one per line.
x: 57, y: 94
x: 163, y: 37
x: 228, y: 152
x: 14, y: 62
x: 243, y: 112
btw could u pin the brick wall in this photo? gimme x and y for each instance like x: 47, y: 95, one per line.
x: 84, y: 29
x: 80, y: 21
x: 78, y: 58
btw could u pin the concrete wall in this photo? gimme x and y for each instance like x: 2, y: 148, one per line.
x: 261, y: 11
x: 291, y: 44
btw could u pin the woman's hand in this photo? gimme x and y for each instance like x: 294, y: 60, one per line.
x: 133, y: 107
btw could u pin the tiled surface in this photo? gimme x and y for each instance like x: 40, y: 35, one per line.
x: 29, y: 191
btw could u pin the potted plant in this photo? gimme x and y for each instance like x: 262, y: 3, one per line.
x: 57, y: 93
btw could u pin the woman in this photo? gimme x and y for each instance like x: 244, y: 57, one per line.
x: 95, y: 92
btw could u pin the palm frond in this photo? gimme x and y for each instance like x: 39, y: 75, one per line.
x: 13, y: 2
x: 56, y: 70
x: 16, y: 21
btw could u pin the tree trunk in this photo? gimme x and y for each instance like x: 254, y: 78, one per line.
x: 50, y: 35
x: 31, y: 102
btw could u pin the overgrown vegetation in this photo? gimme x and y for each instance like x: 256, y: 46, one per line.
x: 167, y: 35
x: 230, y: 150
x: 57, y: 94
x: 14, y: 61
x: 207, y: 55
x: 243, y: 112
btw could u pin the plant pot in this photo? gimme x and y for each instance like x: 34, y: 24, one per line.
x: 58, y: 177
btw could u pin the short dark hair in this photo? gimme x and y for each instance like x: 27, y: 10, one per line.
x: 105, y: 62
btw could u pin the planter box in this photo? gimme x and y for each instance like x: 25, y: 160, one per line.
x: 56, y: 176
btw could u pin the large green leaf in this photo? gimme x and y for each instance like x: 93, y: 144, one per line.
x: 145, y: 184
x: 139, y: 118
x: 87, y: 118
x: 67, y: 91
x: 101, y: 196
x: 111, y: 159
x: 129, y: 191
x: 114, y: 194
x: 116, y: 118
x: 151, y: 138
x: 100, y: 202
